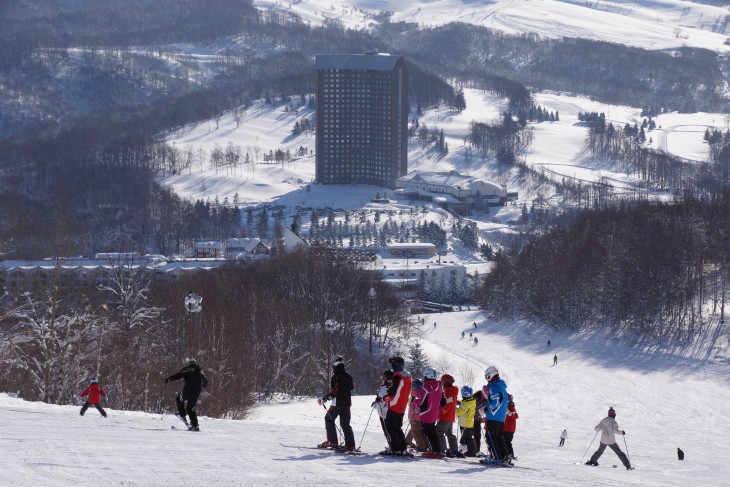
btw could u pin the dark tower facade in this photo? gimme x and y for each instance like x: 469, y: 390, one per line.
x: 362, y: 119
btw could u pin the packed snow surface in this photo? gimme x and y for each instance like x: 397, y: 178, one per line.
x: 666, y: 396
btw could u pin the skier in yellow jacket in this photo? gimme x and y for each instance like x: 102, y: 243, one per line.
x: 465, y: 411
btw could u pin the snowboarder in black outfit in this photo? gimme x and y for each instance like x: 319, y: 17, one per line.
x: 186, y: 400
x: 680, y: 454
x: 341, y: 386
x: 609, y: 428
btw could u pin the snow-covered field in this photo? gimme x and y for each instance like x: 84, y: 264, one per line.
x: 665, y: 398
x: 650, y: 24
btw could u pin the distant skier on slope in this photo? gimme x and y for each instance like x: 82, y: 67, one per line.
x: 563, y: 437
x: 680, y: 454
x: 186, y: 400
x: 341, y: 386
x: 609, y: 428
x: 94, y: 393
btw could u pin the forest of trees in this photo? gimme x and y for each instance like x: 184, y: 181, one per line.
x: 265, y: 329
x: 650, y: 268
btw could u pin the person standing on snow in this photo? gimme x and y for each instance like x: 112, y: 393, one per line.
x: 680, y: 454
x: 510, y: 426
x: 94, y: 393
x: 465, y: 411
x: 447, y: 417
x: 609, y: 428
x: 414, y: 415
x: 379, y: 405
x: 555, y: 359
x: 430, y: 408
x: 397, y: 401
x: 186, y: 400
x: 478, y: 418
x: 495, y: 392
x: 341, y: 386
x: 563, y: 437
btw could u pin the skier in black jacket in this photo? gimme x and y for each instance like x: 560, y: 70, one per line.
x: 341, y: 386
x: 195, y: 380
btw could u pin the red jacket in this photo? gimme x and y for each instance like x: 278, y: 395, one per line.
x: 510, y: 421
x: 399, y: 392
x: 448, y: 412
x: 93, y: 391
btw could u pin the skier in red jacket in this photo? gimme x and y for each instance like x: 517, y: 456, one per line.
x: 94, y: 393
x: 510, y: 425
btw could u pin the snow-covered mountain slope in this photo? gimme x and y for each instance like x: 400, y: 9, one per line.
x: 665, y: 398
x: 558, y: 150
x: 649, y: 24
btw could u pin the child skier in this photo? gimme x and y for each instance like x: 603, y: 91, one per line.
x: 480, y: 404
x: 414, y: 415
x: 465, y: 411
x: 94, y: 393
x: 379, y: 405
x: 609, y: 428
x: 447, y: 418
x: 397, y: 400
x: 510, y: 425
x: 430, y: 408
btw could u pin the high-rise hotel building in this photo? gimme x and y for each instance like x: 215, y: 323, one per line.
x: 362, y: 119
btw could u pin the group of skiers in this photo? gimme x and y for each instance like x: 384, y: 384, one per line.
x: 433, y: 407
x: 186, y: 400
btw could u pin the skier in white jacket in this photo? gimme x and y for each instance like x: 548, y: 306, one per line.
x: 609, y: 428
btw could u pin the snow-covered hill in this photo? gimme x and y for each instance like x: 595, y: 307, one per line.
x: 649, y: 24
x: 665, y: 398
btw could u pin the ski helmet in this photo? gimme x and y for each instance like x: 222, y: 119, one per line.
x: 447, y: 378
x: 338, y: 360
x: 611, y: 413
x: 387, y: 374
x: 430, y: 373
x: 491, y: 373
x: 190, y: 361
x: 466, y: 392
x: 396, y: 361
x: 94, y: 380
x: 417, y: 383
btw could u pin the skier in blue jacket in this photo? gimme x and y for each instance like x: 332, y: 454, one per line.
x: 496, y: 396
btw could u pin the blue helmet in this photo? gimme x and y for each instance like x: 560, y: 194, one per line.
x: 466, y: 392
x: 417, y: 383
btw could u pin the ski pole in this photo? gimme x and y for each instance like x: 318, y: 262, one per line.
x: 366, y: 427
x: 627, y: 449
x: 589, y: 447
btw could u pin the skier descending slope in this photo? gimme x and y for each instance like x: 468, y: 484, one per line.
x: 608, y: 428
x: 186, y: 400
x: 397, y: 401
x: 94, y: 393
x: 341, y: 386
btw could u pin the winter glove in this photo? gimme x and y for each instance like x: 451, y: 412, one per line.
x: 623, y: 432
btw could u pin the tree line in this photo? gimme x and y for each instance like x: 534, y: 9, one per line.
x: 655, y: 269
x: 265, y: 329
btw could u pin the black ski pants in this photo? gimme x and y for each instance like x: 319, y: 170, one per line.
x: 602, y: 447
x: 494, y: 437
x: 508, y: 435
x: 97, y: 406
x: 467, y: 438
x: 186, y: 406
x: 429, y: 429
x: 329, y: 423
x: 394, y: 426
x: 477, y: 434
